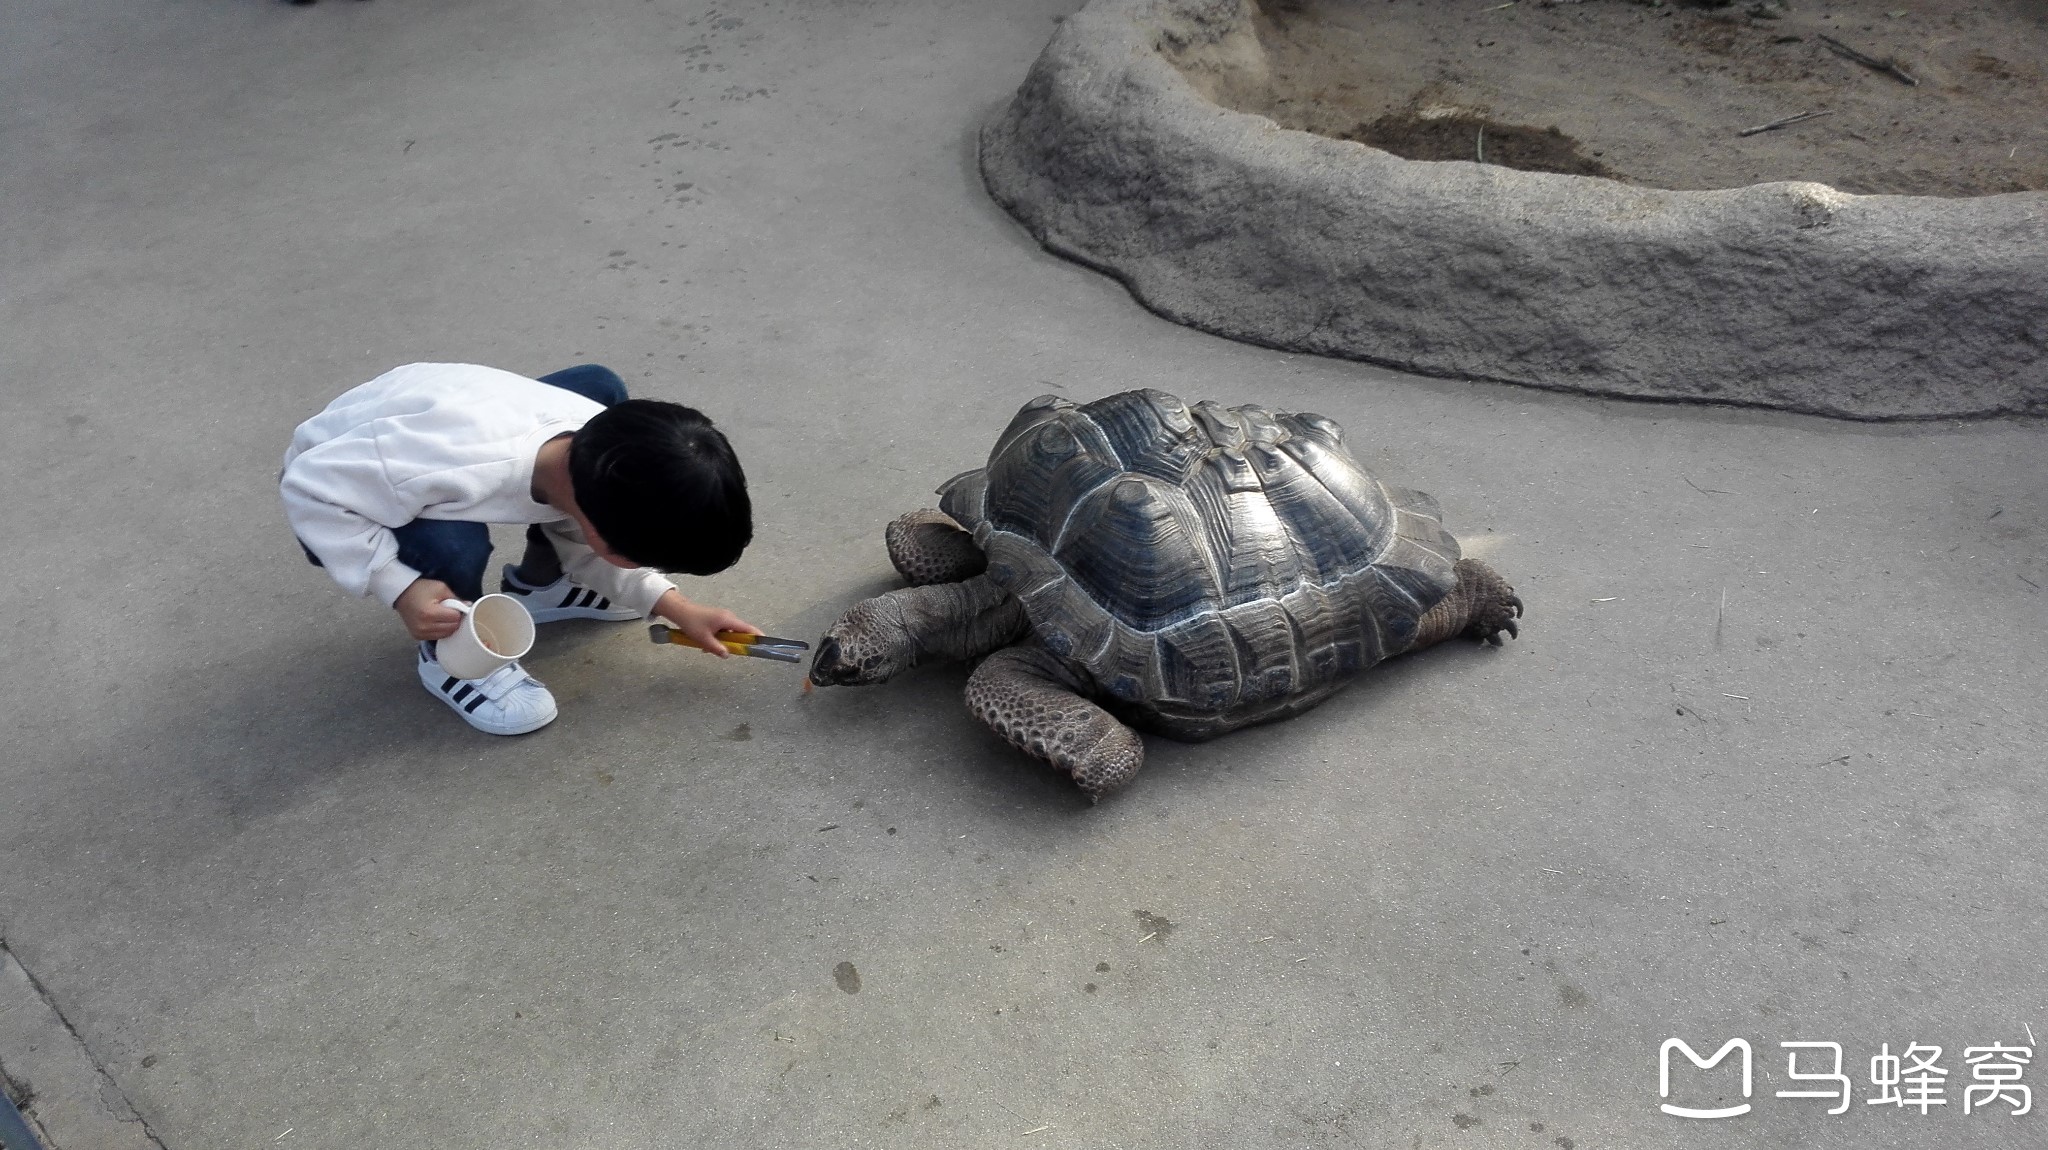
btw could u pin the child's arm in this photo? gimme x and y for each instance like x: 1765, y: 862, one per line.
x: 338, y: 501
x: 330, y: 496
x: 701, y: 623
x: 643, y: 589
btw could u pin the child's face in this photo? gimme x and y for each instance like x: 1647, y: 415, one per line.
x: 605, y: 552
x: 597, y: 543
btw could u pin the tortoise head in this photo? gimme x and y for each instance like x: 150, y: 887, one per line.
x: 868, y: 644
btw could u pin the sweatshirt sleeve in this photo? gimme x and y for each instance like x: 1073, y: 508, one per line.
x: 343, y: 507
x: 636, y: 587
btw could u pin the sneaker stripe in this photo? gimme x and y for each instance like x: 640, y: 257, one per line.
x: 589, y: 597
x: 570, y: 598
x: 449, y: 684
x: 479, y: 701
x: 463, y: 692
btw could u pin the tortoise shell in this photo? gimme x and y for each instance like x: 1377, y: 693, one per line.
x: 1207, y: 566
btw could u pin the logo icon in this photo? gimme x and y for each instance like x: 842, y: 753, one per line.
x: 1692, y: 1056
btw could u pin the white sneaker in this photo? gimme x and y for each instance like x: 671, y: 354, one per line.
x: 564, y: 600
x: 508, y: 701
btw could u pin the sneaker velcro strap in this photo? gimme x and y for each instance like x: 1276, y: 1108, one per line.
x: 502, y: 682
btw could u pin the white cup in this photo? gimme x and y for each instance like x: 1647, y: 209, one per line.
x: 496, y: 631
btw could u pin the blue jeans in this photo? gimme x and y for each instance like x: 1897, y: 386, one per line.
x: 456, y: 552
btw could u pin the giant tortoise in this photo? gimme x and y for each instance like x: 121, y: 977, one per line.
x: 1187, y: 570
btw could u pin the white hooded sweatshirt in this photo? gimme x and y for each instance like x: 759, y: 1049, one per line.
x: 437, y: 441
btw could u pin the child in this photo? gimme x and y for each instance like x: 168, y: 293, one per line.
x: 391, y: 487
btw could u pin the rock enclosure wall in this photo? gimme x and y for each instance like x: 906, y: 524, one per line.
x: 1787, y: 295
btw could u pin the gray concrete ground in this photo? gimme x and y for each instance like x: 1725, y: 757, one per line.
x: 1763, y: 765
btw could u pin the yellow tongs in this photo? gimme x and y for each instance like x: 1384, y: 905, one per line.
x: 737, y: 642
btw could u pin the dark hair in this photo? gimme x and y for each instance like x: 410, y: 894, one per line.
x: 662, y: 486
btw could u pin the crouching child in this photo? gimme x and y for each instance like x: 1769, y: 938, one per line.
x: 393, y: 486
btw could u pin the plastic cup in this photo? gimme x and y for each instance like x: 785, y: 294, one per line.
x: 496, y: 631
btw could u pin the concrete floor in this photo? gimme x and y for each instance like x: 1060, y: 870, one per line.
x: 1765, y: 763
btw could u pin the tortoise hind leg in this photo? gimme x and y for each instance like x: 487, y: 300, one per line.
x: 1480, y: 607
x: 928, y: 547
x: 1024, y: 695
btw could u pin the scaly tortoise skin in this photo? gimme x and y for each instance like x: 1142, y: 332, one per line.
x: 1193, y: 569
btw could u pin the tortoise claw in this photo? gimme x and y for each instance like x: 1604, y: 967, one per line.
x: 1491, y: 624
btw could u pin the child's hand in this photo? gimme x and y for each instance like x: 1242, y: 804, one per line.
x: 701, y: 624
x: 420, y: 606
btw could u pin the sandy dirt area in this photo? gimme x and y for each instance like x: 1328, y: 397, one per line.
x: 1658, y: 94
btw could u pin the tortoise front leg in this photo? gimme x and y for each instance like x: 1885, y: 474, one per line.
x: 1480, y: 607
x: 929, y: 547
x: 1027, y: 697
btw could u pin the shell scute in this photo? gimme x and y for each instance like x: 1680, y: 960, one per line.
x: 1189, y: 655
x: 1269, y: 655
x: 1141, y: 552
x: 1030, y: 415
x: 1411, y: 566
x: 1309, y: 426
x: 1075, y: 627
x: 1225, y: 427
x: 1046, y: 472
x: 1243, y: 532
x: 1151, y: 432
x: 1330, y: 537
x: 1359, y: 494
